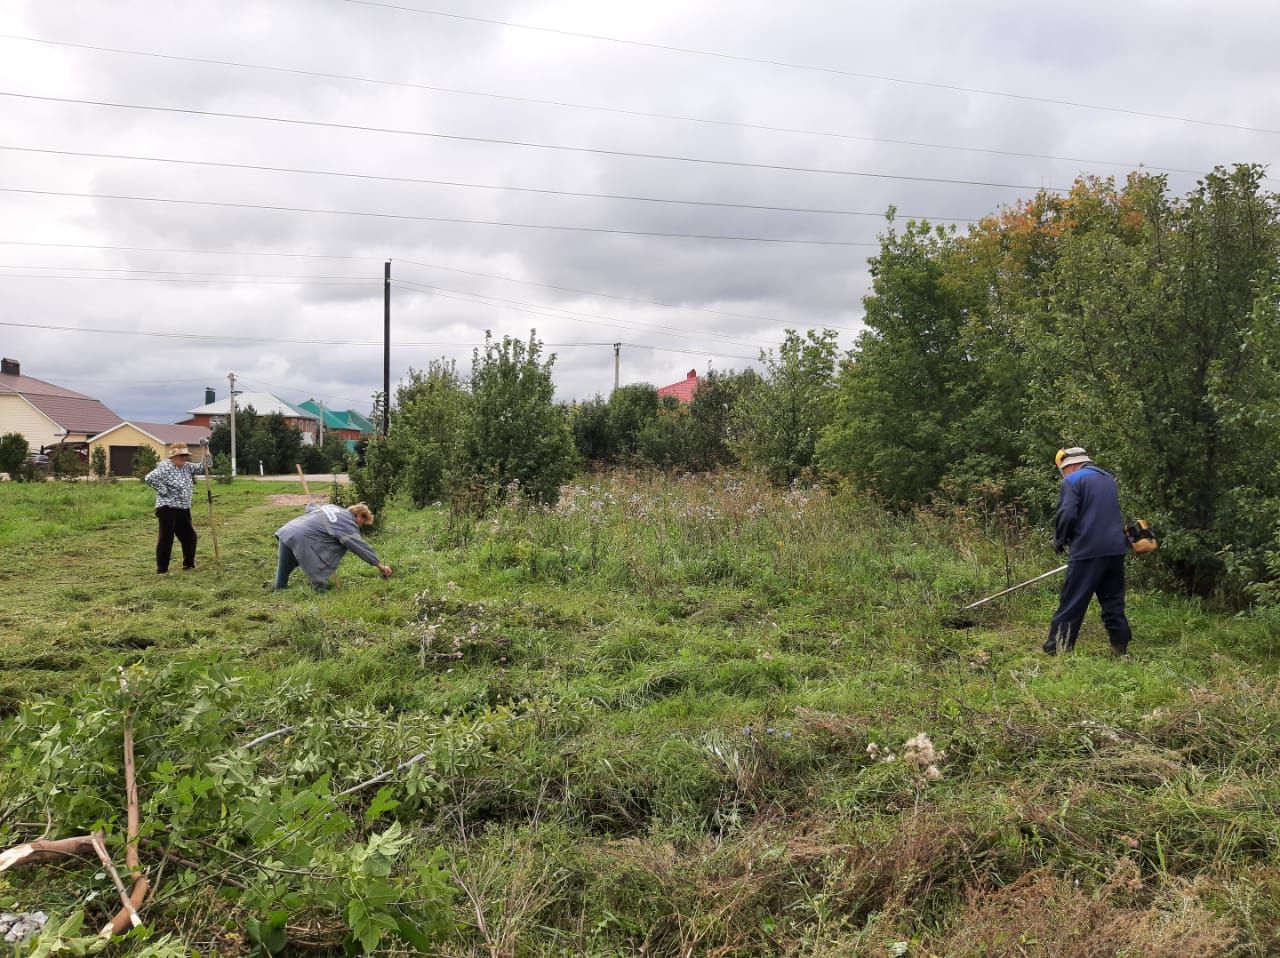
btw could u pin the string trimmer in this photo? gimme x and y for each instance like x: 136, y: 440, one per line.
x: 964, y: 622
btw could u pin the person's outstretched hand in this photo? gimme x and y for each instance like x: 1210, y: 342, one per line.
x: 385, y: 570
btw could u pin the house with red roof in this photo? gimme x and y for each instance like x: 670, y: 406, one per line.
x: 45, y: 414
x: 683, y: 390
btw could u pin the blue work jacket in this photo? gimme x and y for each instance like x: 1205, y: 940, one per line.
x: 1088, y: 521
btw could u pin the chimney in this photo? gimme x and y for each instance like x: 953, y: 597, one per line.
x: 693, y: 374
x: 10, y: 367
x: 209, y: 396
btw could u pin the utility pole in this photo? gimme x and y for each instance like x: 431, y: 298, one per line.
x: 386, y: 348
x: 320, y: 403
x: 232, y: 378
x: 617, y: 363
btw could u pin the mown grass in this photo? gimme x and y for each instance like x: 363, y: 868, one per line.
x: 650, y: 710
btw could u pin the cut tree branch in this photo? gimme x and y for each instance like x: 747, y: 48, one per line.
x: 100, y: 847
x: 124, y: 916
x: 384, y: 776
x: 46, y: 850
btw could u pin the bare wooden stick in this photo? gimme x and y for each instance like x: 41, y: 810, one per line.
x: 46, y: 850
x: 100, y: 847
x: 133, y: 816
x: 384, y: 776
x: 269, y: 736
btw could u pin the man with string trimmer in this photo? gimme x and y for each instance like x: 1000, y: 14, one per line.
x: 1088, y: 522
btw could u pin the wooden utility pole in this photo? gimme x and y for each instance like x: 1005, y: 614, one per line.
x: 386, y: 348
x: 232, y: 378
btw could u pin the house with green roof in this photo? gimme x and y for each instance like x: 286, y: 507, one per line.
x: 347, y: 423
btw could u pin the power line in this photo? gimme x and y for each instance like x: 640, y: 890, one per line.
x: 831, y: 71
x: 203, y: 252
x: 556, y: 312
x: 420, y: 265
x: 474, y: 186
x: 186, y: 282
x: 626, y: 299
x: 563, y: 104
x: 435, y: 219
x: 183, y: 272
x: 528, y: 144
x: 333, y: 342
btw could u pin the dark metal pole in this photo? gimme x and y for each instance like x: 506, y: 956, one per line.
x: 386, y: 348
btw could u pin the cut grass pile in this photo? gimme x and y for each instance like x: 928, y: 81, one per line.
x: 663, y: 718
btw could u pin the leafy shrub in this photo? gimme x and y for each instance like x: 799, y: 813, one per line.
x: 98, y: 462
x: 519, y: 438
x: 13, y: 451
x: 144, y: 461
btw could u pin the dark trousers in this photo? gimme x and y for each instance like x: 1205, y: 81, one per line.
x: 175, y: 522
x: 1103, y: 577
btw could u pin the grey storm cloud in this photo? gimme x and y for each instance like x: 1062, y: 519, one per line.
x: 582, y: 290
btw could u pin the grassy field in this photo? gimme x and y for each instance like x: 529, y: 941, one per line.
x: 664, y: 718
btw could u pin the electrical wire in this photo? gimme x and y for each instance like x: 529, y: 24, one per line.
x: 556, y: 312
x: 620, y: 111
x: 414, y: 263
x: 172, y: 249
x: 183, y: 272
x: 527, y: 144
x: 162, y: 334
x: 625, y: 299
x: 436, y: 219
x: 475, y: 186
x: 187, y: 282
x: 831, y: 71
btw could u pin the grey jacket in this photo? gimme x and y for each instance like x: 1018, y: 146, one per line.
x: 319, y: 540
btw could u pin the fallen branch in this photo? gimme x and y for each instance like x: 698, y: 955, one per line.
x: 269, y: 736
x: 125, y: 915
x: 46, y: 850
x: 100, y: 847
x: 383, y: 776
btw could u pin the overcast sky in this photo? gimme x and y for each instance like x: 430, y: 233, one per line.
x: 847, y: 79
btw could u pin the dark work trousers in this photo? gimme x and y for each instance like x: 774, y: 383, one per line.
x: 1103, y: 577
x: 175, y: 522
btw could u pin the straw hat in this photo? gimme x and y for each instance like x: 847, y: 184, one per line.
x: 179, y: 451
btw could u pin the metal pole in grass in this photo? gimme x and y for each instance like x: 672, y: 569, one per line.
x: 208, y: 489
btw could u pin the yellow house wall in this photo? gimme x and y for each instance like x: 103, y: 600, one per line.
x: 127, y: 436
x: 18, y: 415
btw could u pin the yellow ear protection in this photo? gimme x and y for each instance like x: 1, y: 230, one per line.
x: 1058, y: 459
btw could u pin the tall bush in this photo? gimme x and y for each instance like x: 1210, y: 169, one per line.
x: 777, y: 423
x: 13, y: 452
x: 432, y: 413
x: 518, y: 437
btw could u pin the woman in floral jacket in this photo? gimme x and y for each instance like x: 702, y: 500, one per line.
x: 172, y: 480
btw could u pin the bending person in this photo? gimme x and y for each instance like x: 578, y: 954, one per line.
x: 318, y: 540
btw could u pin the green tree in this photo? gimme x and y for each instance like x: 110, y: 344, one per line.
x: 431, y: 415
x: 1161, y: 344
x: 631, y: 408
x: 518, y: 435
x: 933, y: 391
x: 99, y: 462
x: 13, y: 452
x: 777, y: 424
x: 592, y: 436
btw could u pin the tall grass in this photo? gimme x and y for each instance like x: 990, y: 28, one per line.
x: 671, y: 717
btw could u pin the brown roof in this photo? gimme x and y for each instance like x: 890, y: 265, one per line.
x: 73, y: 411
x: 170, y: 433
